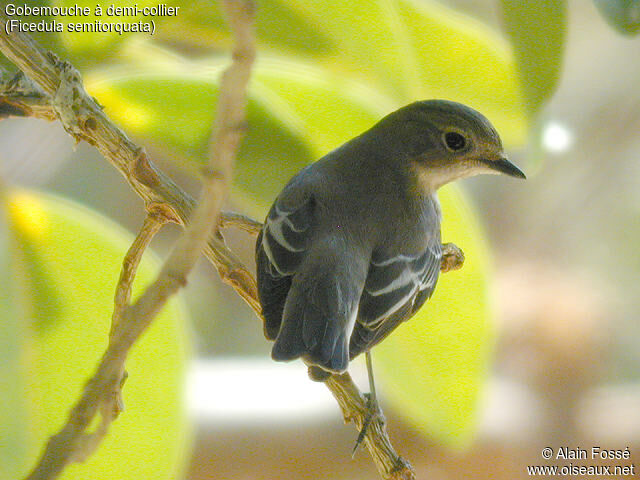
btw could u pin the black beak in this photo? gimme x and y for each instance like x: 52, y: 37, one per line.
x: 503, y: 165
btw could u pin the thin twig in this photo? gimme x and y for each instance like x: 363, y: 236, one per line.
x: 241, y: 222
x: 122, y: 297
x: 62, y: 447
x: 111, y: 403
x: 354, y: 409
x: 114, y: 404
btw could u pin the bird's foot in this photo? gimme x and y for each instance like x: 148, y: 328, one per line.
x: 373, y: 413
x: 452, y: 257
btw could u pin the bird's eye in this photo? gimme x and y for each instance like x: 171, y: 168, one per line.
x: 454, y: 141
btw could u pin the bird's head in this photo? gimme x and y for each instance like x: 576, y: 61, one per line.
x: 445, y: 141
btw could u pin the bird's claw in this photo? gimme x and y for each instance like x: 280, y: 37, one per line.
x: 452, y: 257
x: 374, y: 413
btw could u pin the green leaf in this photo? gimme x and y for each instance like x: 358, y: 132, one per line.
x: 279, y: 27
x: 323, y: 108
x: 405, y: 49
x: 537, y: 31
x: 412, y: 50
x: 433, y: 367
x: 460, y: 59
x: 66, y: 265
x: 622, y: 15
x: 176, y: 110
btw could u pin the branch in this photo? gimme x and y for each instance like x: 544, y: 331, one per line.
x: 354, y: 409
x: 122, y: 297
x: 20, y: 97
x: 63, y: 97
x: 60, y: 94
x: 134, y: 319
x: 241, y: 222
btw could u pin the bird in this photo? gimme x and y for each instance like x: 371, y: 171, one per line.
x: 351, y: 247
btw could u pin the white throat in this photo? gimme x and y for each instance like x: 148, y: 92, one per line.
x: 431, y: 179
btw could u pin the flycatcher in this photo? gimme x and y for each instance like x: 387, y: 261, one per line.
x: 351, y: 247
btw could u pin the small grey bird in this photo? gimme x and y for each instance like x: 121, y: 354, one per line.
x: 351, y: 247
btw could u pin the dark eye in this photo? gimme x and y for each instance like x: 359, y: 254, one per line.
x: 454, y: 141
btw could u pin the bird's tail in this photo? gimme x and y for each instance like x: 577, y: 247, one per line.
x: 321, y: 309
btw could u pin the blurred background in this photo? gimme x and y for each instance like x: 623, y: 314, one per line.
x: 542, y: 322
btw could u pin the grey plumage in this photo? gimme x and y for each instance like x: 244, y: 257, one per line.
x: 351, y: 247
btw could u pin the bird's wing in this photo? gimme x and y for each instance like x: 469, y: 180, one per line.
x: 322, y: 304
x: 309, y: 278
x: 395, y: 289
x: 280, y: 248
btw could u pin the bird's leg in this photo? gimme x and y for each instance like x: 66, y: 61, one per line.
x: 373, y: 409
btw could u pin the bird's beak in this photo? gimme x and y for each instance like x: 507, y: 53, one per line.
x: 503, y: 165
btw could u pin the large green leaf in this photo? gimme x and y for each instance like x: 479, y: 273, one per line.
x: 196, y: 24
x: 537, y: 31
x: 279, y: 26
x: 412, y: 50
x: 66, y: 262
x: 296, y: 113
x: 460, y: 59
x: 176, y: 110
x: 406, y: 49
x: 432, y: 368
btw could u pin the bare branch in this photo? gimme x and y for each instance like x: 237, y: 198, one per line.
x: 45, y: 69
x: 20, y: 97
x: 60, y: 87
x: 113, y: 404
x: 151, y: 226
x: 242, y: 222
